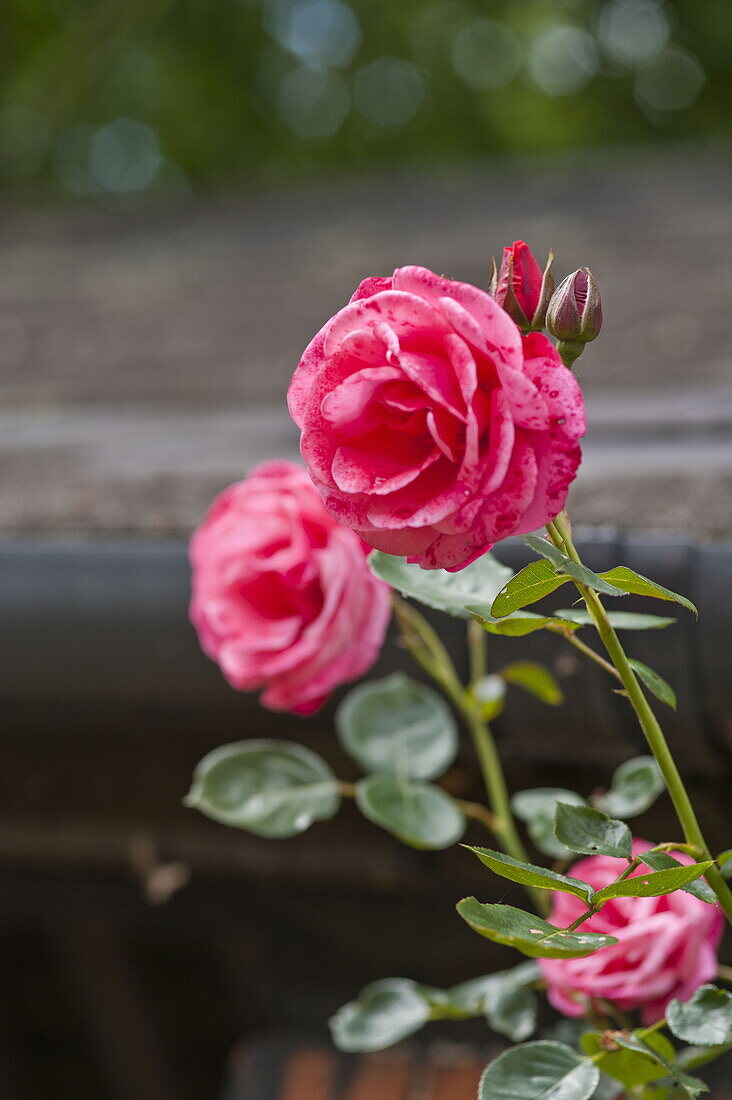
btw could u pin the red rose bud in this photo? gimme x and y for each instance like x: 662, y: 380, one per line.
x: 521, y: 288
x: 574, y: 315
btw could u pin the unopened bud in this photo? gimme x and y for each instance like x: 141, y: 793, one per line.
x: 520, y: 287
x: 574, y: 315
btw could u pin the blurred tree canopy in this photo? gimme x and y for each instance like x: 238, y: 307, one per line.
x: 121, y: 97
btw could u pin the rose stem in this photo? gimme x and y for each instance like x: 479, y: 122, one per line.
x: 430, y: 653
x: 561, y: 536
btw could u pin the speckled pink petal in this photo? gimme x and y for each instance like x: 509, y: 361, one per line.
x: 557, y: 385
x: 498, y: 330
x: 501, y: 437
x: 432, y: 375
x: 298, y: 394
x: 374, y: 284
x: 364, y: 471
x: 318, y: 447
x: 370, y: 345
x: 403, y: 312
x: 430, y: 499
x: 557, y: 465
x: 346, y: 404
x: 439, y: 425
x: 528, y: 407
x: 401, y: 543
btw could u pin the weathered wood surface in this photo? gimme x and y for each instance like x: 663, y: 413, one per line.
x: 144, y: 355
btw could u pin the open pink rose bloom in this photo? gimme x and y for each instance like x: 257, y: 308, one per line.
x: 667, y: 946
x: 430, y: 425
x: 282, y: 595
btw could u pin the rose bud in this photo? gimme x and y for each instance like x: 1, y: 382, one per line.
x: 574, y: 315
x: 521, y: 288
x: 283, y: 598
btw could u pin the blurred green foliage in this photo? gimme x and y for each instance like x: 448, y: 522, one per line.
x: 124, y: 96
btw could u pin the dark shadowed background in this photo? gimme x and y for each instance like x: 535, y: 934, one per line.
x: 188, y: 189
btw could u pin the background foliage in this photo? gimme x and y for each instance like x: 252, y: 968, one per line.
x: 120, y: 97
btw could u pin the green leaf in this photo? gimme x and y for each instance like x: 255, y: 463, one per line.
x: 520, y: 623
x: 630, y: 1067
x: 573, y: 569
x: 399, y: 726
x: 698, y: 1057
x: 660, y: 861
x: 385, y: 1012
x: 705, y: 1020
x: 416, y: 813
x: 529, y: 875
x: 471, y: 996
x: 635, y: 786
x: 535, y: 679
x: 513, y: 1012
x: 535, y: 580
x: 537, y: 808
x: 652, y: 885
x: 655, y: 683
x: 619, y: 620
x: 634, y: 583
x: 592, y: 832
x: 539, y: 1071
x: 477, y: 583
x: 271, y: 788
x: 692, y: 1085
x: 529, y: 934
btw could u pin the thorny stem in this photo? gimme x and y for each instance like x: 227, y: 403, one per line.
x: 560, y: 534
x: 427, y: 649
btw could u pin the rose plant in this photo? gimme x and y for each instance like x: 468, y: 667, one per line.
x: 437, y: 420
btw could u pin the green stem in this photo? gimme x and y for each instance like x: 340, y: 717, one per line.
x: 477, y: 638
x: 561, y: 535
x: 427, y: 649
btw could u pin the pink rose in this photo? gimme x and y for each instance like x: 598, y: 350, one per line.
x: 429, y: 425
x: 282, y: 595
x: 666, y: 946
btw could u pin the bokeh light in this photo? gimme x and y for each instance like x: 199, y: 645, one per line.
x: 389, y: 92
x: 562, y: 60
x: 671, y: 82
x: 313, y: 102
x: 486, y: 54
x: 633, y: 31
